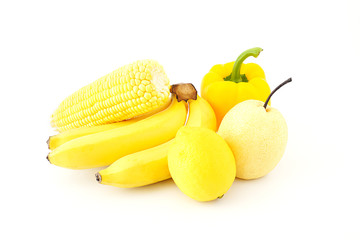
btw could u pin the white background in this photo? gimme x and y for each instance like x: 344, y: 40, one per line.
x: 49, y: 50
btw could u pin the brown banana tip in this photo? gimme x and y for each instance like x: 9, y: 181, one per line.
x: 48, y: 142
x: 98, y: 177
x: 184, y: 91
x: 220, y: 196
x: 47, y: 157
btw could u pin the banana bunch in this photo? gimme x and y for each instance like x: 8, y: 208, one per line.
x: 134, y: 150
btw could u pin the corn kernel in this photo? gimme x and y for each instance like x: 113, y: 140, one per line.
x: 148, y: 76
x: 128, y: 95
x: 133, y: 94
x: 140, y: 93
x: 153, y: 99
x: 145, y: 82
x: 149, y: 88
x: 147, y: 96
x: 142, y: 87
x: 137, y: 75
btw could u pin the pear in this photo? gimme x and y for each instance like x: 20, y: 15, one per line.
x: 257, y: 135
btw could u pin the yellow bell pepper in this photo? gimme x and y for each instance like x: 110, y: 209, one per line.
x: 225, y: 85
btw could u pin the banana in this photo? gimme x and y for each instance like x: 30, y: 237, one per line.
x: 61, y: 138
x: 151, y: 165
x: 201, y: 114
x: 104, y: 148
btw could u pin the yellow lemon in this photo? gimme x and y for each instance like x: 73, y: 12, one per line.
x: 201, y: 163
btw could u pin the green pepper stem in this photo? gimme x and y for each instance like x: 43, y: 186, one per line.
x: 235, y: 75
x: 273, y: 91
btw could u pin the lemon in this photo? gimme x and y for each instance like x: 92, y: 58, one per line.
x: 201, y: 163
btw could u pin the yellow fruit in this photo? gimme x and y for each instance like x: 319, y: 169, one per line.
x: 201, y: 163
x: 104, y: 148
x: 201, y: 114
x: 257, y: 135
x: 151, y: 165
x: 61, y: 138
x: 137, y: 169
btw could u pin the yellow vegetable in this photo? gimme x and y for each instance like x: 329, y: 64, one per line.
x: 228, y: 84
x: 201, y: 163
x: 127, y: 92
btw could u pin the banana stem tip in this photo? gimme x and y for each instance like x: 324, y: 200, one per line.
x: 184, y: 91
x: 98, y: 177
x: 48, y: 142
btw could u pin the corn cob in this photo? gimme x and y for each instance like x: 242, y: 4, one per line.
x: 127, y: 92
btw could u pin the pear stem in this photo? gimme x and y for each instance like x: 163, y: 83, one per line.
x: 273, y: 91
